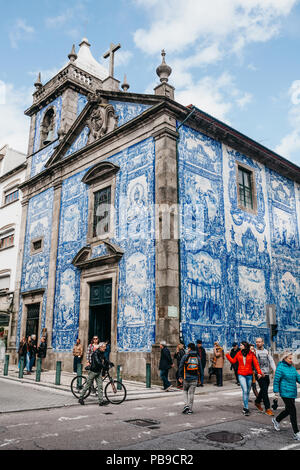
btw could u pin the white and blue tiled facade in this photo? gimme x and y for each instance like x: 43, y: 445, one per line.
x: 35, y: 267
x: 233, y: 262
x: 136, y: 311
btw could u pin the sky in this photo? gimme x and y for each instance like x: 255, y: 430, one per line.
x: 237, y: 60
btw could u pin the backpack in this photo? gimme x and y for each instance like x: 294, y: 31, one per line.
x: 191, y: 365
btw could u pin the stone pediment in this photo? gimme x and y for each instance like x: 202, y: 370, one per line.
x: 97, y: 119
x: 100, y: 171
x: 103, y: 253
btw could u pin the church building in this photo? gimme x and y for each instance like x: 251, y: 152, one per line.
x: 145, y: 220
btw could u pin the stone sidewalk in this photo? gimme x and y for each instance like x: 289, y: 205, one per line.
x: 135, y: 390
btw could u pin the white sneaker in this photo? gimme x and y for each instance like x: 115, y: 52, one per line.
x: 297, y: 436
x: 277, y: 425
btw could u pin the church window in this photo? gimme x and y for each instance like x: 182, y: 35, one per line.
x: 101, y: 220
x: 47, y: 128
x: 36, y: 245
x: 246, y: 189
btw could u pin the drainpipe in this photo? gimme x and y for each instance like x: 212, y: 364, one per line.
x: 179, y: 258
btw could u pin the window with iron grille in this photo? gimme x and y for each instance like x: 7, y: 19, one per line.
x: 11, y: 197
x: 245, y: 184
x: 101, y: 219
x: 6, y: 242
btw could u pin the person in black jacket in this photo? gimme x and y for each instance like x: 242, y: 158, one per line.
x: 165, y: 364
x: 202, y: 355
x: 180, y: 352
x: 235, y: 349
x: 98, y: 364
x: 22, y: 351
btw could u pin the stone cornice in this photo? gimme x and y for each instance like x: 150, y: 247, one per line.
x: 201, y: 122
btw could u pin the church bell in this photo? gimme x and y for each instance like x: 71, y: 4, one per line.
x: 49, y: 138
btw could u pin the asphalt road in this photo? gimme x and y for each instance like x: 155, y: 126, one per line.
x: 66, y: 425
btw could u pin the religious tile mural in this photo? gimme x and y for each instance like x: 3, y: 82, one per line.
x: 233, y: 262
x: 127, y: 111
x: 82, y: 101
x: 39, y: 159
x: 134, y: 216
x: 79, y: 142
x: 134, y: 222
x: 72, y: 237
x: 285, y: 244
x: 35, y: 267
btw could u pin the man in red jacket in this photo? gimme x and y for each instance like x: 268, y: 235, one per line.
x: 246, y: 362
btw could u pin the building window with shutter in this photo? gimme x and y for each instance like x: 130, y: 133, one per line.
x: 7, y: 241
x: 246, y: 189
x: 11, y: 196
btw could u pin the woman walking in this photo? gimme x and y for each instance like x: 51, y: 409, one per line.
x: 218, y: 361
x: 246, y: 363
x: 29, y: 354
x: 285, y: 385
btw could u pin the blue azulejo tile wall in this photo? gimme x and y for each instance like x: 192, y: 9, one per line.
x: 233, y: 262
x: 134, y: 233
x: 35, y: 267
x: 127, y: 111
x: 134, y: 201
x: 72, y: 237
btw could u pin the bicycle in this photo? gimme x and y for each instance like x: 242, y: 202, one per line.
x: 114, y: 391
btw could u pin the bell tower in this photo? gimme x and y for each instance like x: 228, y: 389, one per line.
x: 57, y: 103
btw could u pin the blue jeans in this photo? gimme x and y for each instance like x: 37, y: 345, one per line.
x: 164, y: 377
x: 246, y: 382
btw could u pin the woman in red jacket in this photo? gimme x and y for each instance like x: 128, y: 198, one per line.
x: 246, y: 363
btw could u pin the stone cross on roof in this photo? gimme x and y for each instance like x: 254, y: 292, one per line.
x: 110, y: 53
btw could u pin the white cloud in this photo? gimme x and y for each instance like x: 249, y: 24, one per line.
x: 20, y: 31
x: 289, y: 146
x: 13, y: 124
x: 179, y: 24
x: 214, y: 95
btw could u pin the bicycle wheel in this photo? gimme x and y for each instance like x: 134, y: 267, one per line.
x: 115, y: 392
x: 77, y: 385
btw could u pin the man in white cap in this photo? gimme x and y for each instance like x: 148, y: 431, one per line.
x: 165, y: 364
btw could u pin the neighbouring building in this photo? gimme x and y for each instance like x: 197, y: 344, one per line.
x: 12, y: 174
x: 144, y: 220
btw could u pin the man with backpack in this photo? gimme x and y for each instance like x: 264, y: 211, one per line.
x: 190, y: 369
x: 97, y: 365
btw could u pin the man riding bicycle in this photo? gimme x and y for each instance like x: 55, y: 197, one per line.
x: 97, y: 365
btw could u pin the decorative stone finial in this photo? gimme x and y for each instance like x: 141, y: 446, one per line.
x: 72, y: 56
x: 125, y: 86
x: 38, y: 84
x: 163, y: 70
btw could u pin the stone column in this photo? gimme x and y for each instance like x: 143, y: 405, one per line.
x: 52, y: 266
x: 167, y: 243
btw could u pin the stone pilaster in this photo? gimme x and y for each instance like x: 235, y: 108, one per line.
x: 53, y: 259
x: 167, y: 258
